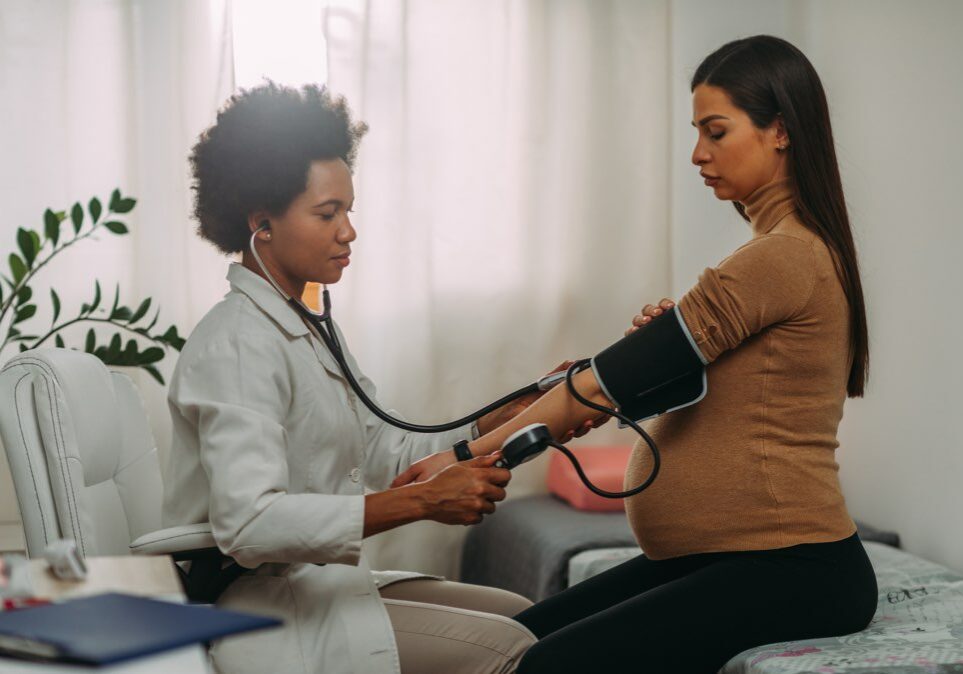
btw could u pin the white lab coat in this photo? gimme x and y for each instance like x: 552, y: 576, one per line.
x: 272, y: 447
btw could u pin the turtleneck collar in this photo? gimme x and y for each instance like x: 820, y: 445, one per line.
x: 769, y: 204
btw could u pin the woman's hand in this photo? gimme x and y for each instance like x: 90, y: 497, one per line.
x: 465, y: 492
x: 648, y: 313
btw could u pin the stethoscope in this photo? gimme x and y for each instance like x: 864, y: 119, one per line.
x: 524, y: 445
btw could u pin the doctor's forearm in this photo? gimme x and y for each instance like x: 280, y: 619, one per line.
x: 557, y: 409
x: 386, y: 510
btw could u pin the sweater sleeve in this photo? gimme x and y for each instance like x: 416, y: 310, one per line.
x: 766, y: 281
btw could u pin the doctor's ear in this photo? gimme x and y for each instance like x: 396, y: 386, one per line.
x: 264, y: 230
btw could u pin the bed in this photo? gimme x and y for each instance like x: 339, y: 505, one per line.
x: 539, y: 545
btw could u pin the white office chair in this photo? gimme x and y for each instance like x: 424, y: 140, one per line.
x: 83, y: 460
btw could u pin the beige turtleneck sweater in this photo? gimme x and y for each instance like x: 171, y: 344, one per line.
x: 752, y: 465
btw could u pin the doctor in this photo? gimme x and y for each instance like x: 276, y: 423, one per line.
x: 273, y: 448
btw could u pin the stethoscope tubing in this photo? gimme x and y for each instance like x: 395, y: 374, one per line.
x: 323, y: 324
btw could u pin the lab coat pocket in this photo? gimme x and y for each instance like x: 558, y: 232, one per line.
x: 272, y: 650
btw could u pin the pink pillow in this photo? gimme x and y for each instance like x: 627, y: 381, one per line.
x: 604, y: 467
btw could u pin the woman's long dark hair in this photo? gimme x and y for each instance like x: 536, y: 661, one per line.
x: 768, y: 77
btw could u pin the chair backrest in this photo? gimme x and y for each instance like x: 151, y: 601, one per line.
x: 80, y: 450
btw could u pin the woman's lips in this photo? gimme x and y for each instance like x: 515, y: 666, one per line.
x: 710, y: 180
x: 343, y: 260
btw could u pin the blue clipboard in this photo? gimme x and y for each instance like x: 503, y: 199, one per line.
x: 111, y: 627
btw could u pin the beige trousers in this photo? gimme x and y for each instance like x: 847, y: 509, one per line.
x: 456, y: 628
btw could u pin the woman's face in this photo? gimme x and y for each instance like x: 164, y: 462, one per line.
x: 310, y: 241
x: 733, y: 155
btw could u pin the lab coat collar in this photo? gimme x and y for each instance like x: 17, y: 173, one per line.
x: 267, y: 299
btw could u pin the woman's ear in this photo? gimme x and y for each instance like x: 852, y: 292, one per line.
x: 780, y: 136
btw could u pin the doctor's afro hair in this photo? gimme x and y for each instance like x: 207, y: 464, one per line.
x: 257, y: 155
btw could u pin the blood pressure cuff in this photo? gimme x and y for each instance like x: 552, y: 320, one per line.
x: 656, y: 369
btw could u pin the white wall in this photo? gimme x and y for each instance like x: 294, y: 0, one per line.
x: 896, y: 106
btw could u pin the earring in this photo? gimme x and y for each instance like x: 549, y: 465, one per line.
x: 268, y: 236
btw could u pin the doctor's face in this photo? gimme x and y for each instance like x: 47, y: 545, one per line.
x: 734, y: 156
x: 310, y: 241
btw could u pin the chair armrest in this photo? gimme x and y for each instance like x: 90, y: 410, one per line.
x: 188, y: 541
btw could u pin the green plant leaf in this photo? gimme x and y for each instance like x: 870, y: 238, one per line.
x: 25, y: 243
x: 151, y: 355
x: 95, y: 209
x: 120, y: 204
x: 151, y: 325
x: 17, y: 268
x: 24, y: 295
x: 55, y: 300
x: 172, y: 338
x: 59, y: 341
x: 152, y: 371
x: 23, y: 347
x: 96, y: 297
x: 25, y: 312
x: 129, y: 354
x: 141, y: 310
x: 113, y: 349
x: 90, y: 342
x: 116, y: 227
x: 76, y: 217
x: 51, y: 225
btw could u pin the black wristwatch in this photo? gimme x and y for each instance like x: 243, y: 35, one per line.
x: 462, y: 453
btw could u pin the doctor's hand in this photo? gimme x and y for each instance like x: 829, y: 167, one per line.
x: 465, y: 492
x: 647, y: 313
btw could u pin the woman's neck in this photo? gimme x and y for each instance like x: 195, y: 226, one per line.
x: 292, y: 287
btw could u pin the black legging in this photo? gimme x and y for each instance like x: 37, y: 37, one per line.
x: 690, y: 615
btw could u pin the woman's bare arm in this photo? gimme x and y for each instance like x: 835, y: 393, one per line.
x: 557, y: 409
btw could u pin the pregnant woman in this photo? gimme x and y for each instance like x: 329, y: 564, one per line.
x: 745, y: 533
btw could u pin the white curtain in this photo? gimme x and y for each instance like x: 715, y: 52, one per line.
x: 113, y: 93
x: 99, y: 94
x: 512, y: 201
x: 512, y: 194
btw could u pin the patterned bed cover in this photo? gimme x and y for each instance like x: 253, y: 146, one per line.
x: 918, y: 628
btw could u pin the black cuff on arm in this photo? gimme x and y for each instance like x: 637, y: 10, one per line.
x: 656, y: 369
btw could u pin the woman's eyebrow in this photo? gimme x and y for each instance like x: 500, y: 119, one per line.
x: 706, y: 120
x: 336, y: 202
